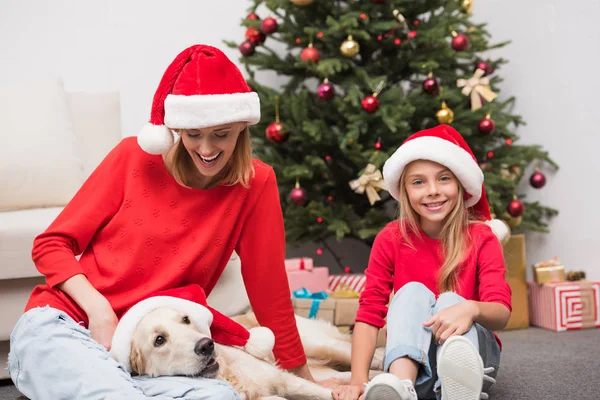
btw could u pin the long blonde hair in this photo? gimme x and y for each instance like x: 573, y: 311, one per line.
x: 454, y: 235
x: 239, y: 168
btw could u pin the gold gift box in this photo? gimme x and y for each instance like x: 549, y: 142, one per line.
x: 549, y: 271
x: 516, y: 270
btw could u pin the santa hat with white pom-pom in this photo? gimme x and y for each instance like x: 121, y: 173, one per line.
x: 201, y: 88
x: 444, y: 145
x: 191, y: 300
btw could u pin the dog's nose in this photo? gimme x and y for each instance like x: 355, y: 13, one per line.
x: 204, y: 347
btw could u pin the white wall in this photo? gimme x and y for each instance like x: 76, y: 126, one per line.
x: 126, y: 46
x: 553, y: 57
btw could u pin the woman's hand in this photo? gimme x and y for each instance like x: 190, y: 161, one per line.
x: 348, y: 392
x: 454, y: 320
x: 102, y: 323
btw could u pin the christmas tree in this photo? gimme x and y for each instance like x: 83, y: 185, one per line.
x: 361, y: 77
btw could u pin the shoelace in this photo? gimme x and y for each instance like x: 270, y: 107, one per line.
x: 486, y: 378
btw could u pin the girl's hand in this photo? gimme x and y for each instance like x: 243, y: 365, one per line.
x: 348, y: 392
x: 454, y: 320
x: 103, y: 322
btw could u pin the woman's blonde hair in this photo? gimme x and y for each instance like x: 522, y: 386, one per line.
x: 239, y: 168
x: 454, y: 235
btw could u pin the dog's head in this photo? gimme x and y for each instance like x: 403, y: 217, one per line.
x: 166, y: 342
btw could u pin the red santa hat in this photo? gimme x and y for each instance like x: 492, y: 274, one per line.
x: 191, y: 300
x: 200, y: 88
x: 444, y: 145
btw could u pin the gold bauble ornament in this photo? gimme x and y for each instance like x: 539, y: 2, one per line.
x: 445, y: 115
x: 302, y: 2
x: 350, y: 47
x: 466, y: 6
x: 512, y: 221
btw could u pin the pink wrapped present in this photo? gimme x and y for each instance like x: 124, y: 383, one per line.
x: 565, y: 306
x: 354, y: 282
x: 314, y: 280
x: 299, y: 264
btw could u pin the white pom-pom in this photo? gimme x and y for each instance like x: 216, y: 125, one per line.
x: 155, y: 139
x: 500, y: 229
x: 261, y: 342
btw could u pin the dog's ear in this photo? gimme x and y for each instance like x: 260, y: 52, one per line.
x: 137, y: 361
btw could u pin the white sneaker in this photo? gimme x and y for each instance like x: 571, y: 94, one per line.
x: 460, y: 369
x: 390, y: 387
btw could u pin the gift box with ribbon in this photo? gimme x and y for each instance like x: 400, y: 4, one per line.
x: 302, y: 274
x: 299, y: 264
x: 565, y: 306
x: 339, y: 307
x: 355, y: 282
x: 549, y: 271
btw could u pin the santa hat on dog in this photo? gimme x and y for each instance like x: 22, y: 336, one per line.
x: 444, y: 145
x: 200, y: 88
x: 191, y: 300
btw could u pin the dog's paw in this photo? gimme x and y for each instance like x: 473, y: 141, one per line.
x: 377, y: 362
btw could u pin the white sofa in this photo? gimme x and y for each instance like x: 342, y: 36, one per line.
x: 56, y: 140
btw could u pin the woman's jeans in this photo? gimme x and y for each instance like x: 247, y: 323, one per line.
x: 53, y: 357
x: 411, y: 306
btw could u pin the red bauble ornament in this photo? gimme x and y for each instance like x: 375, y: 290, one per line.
x: 430, y: 85
x: 370, y: 104
x: 255, y: 36
x: 537, y: 180
x: 275, y: 133
x: 484, y: 65
x: 460, y: 42
x: 253, y: 17
x: 310, y: 54
x: 486, y: 126
x: 247, y: 48
x: 326, y: 90
x: 298, y: 196
x: 515, y: 208
x: 268, y: 26
x: 347, y: 270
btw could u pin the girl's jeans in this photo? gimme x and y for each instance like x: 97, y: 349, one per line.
x: 53, y: 357
x: 411, y: 306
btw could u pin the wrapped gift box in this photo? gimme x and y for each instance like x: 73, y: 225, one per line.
x: 315, y: 279
x: 516, y: 271
x: 565, y: 306
x: 299, y: 264
x: 336, y: 311
x: 549, y: 271
x: 354, y: 282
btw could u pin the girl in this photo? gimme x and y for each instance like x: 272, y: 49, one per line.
x: 153, y: 216
x: 446, y: 268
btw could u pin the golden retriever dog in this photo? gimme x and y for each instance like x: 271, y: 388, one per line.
x: 165, y: 342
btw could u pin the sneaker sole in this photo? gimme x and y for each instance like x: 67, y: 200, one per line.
x: 460, y: 370
x: 382, y: 392
x: 382, y: 388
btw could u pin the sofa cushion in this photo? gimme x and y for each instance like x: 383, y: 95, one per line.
x: 96, y: 124
x: 39, y: 163
x: 17, y: 231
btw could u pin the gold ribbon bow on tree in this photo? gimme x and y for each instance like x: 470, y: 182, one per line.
x: 370, y: 181
x: 477, y: 86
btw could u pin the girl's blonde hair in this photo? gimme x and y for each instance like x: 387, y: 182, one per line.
x: 454, y: 235
x: 239, y: 168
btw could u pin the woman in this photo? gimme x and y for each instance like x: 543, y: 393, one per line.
x: 156, y: 215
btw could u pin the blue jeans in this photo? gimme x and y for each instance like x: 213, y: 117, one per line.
x: 411, y: 306
x: 53, y: 357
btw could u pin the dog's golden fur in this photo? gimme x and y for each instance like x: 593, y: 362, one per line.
x: 165, y: 342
